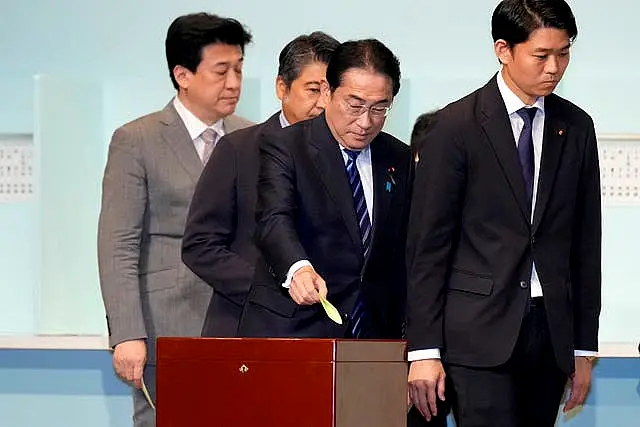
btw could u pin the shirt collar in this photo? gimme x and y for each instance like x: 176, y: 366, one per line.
x: 283, y: 120
x: 511, y: 100
x: 194, y: 125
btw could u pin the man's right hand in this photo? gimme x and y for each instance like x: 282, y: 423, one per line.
x: 129, y: 358
x: 307, y: 286
x: 426, y: 384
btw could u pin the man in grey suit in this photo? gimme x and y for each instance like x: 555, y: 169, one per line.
x: 153, y: 165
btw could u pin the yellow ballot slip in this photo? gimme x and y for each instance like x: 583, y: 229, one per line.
x: 147, y: 396
x: 331, y: 311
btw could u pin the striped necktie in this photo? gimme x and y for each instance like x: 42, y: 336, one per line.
x: 356, y: 329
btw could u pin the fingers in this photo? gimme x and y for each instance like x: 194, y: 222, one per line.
x: 129, y: 359
x: 320, y: 286
x: 432, y: 398
x: 303, y: 286
x: 441, y: 382
x: 136, y: 379
x: 579, y: 390
x: 418, y: 393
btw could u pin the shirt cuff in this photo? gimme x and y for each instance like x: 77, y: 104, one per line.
x: 430, y: 353
x: 292, y: 270
x: 586, y: 353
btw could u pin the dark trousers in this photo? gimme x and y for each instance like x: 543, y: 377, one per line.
x: 415, y: 418
x: 524, y: 392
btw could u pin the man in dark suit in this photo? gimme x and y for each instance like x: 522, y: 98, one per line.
x: 333, y: 201
x: 505, y: 237
x: 314, y: 238
x: 218, y: 244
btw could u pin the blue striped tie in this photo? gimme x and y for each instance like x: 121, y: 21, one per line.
x: 364, y: 223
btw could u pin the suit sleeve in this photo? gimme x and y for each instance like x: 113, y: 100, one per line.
x: 124, y: 201
x: 211, y: 227
x: 434, y: 222
x: 276, y: 234
x: 586, y: 260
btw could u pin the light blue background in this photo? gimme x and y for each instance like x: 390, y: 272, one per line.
x: 73, y: 70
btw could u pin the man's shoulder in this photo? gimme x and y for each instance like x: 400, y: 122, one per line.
x: 392, y: 144
x: 248, y: 135
x: 568, y: 111
x: 145, y: 121
x: 234, y: 123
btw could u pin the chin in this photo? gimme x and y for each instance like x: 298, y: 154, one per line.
x: 227, y: 110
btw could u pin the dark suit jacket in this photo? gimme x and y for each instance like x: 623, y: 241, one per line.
x: 305, y: 211
x: 218, y: 240
x: 471, y: 241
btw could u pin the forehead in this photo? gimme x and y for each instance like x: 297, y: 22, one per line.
x: 547, y: 39
x: 366, y: 84
x: 221, y: 53
x: 312, y: 71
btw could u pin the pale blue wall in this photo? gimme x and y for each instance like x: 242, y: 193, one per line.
x: 73, y: 70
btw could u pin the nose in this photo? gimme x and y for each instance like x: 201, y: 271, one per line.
x: 364, y: 121
x: 234, y: 79
x: 322, y: 101
x: 551, y: 67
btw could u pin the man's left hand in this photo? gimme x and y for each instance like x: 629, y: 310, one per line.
x: 580, y: 383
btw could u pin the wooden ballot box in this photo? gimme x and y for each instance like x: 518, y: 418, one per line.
x: 251, y: 382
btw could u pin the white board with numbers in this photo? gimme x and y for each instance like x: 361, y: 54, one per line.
x: 619, y: 157
x: 17, y: 181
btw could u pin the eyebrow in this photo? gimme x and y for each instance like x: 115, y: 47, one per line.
x: 227, y: 63
x: 313, y: 83
x: 355, y: 98
x: 540, y: 49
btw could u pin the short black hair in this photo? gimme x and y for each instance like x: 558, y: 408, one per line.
x: 189, y: 34
x: 422, y: 125
x: 366, y: 54
x: 514, y: 20
x: 302, y: 51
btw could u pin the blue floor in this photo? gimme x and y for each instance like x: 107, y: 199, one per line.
x: 76, y: 388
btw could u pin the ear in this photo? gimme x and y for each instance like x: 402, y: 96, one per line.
x: 503, y: 51
x: 183, y: 76
x: 281, y: 88
x: 325, y: 90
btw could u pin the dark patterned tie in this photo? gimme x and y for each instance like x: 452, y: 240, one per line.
x: 525, y: 150
x: 364, y: 223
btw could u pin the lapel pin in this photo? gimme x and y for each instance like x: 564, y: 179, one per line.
x: 390, y: 180
x: 561, y: 132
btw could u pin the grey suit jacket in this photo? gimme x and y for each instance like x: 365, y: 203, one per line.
x: 149, y: 180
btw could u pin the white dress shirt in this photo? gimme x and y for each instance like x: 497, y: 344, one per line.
x: 513, y: 104
x: 365, y: 169
x: 195, y: 127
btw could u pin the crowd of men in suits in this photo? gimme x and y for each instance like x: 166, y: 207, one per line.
x: 480, y: 244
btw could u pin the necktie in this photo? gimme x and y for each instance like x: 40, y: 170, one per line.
x: 525, y: 150
x: 364, y: 223
x: 209, y: 138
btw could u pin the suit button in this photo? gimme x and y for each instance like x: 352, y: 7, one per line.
x: 533, y: 240
x: 524, y: 285
x: 346, y: 317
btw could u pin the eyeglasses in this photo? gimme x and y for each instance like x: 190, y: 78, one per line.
x: 377, y: 111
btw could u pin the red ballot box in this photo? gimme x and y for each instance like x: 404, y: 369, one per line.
x: 251, y: 382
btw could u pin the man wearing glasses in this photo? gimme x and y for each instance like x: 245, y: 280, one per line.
x: 332, y: 210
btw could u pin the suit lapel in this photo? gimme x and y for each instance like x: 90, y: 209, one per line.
x: 329, y: 164
x: 497, y: 127
x: 381, y: 165
x: 555, y: 131
x: 176, y: 136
